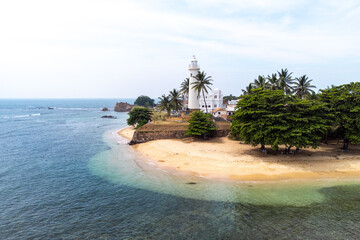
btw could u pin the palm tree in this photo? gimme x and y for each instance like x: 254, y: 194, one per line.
x: 248, y: 89
x: 261, y: 82
x: 202, y: 84
x: 285, y: 80
x: 184, y: 87
x: 165, y: 104
x: 273, y: 81
x: 302, y: 88
x: 313, y: 96
x: 176, y: 100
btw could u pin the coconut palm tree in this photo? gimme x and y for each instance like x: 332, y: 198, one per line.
x: 165, y: 104
x: 273, y: 81
x: 202, y: 84
x: 184, y: 87
x: 176, y: 100
x: 248, y: 89
x: 261, y: 82
x: 285, y: 80
x: 302, y: 88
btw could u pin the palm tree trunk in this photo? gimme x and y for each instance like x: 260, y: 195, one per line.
x: 204, y: 101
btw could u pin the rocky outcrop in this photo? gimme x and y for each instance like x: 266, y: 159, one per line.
x: 105, y: 109
x: 109, y: 116
x: 123, y: 107
x: 145, y: 136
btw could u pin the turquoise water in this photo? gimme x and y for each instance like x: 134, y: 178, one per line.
x: 64, y: 173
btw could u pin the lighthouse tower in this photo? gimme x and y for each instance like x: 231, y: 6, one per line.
x: 193, y: 101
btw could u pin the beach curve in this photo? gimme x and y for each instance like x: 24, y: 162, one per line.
x: 222, y: 158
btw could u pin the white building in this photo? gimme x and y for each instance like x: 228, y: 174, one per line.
x: 213, y: 100
x: 193, y: 99
x: 219, y: 113
x: 230, y: 107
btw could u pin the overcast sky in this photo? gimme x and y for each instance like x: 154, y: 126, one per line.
x: 120, y: 49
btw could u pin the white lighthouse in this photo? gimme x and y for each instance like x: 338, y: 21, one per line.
x: 193, y: 101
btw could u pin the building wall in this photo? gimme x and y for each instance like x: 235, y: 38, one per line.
x: 213, y: 100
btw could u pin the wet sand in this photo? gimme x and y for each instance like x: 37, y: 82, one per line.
x: 222, y: 158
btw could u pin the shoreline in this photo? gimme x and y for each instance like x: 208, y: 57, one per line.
x: 221, y: 158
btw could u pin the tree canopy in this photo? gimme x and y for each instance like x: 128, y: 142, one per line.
x: 202, y: 84
x: 302, y: 87
x: 201, y: 125
x: 184, y: 87
x: 344, y: 102
x: 165, y: 104
x: 176, y: 100
x: 229, y: 98
x: 139, y: 116
x: 269, y: 117
x: 144, y: 101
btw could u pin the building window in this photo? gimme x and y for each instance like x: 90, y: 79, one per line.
x: 215, y: 105
x: 190, y: 74
x: 215, y: 96
x: 219, y: 112
x: 209, y: 106
x: 202, y: 105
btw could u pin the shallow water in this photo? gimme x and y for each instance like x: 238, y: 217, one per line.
x: 65, y: 174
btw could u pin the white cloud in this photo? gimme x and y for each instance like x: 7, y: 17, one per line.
x: 78, y: 41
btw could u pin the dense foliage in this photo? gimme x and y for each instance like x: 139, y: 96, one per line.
x: 165, y: 104
x: 282, y: 80
x: 344, y: 102
x: 270, y: 117
x: 202, y: 84
x: 176, y: 100
x: 229, y: 98
x: 201, y: 125
x: 139, y: 116
x: 184, y: 87
x: 144, y: 101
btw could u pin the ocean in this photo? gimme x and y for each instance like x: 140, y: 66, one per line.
x: 66, y: 174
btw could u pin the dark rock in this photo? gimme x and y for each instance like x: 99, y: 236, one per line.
x: 50, y: 108
x: 145, y: 136
x: 123, y: 107
x: 105, y: 109
x: 191, y: 183
x: 109, y: 116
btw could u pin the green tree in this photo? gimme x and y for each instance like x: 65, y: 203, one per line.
x: 344, y: 102
x: 302, y: 87
x: 307, y: 122
x: 184, y: 87
x: 229, y: 98
x: 139, y: 116
x: 144, y: 101
x: 248, y: 89
x: 274, y: 82
x: 313, y: 96
x: 285, y: 80
x: 176, y: 100
x: 202, y: 84
x: 269, y: 117
x: 261, y: 82
x: 201, y: 125
x: 256, y: 114
x: 165, y: 104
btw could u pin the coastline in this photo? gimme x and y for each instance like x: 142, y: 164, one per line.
x: 221, y: 158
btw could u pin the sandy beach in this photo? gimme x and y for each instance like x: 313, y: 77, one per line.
x: 222, y: 158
